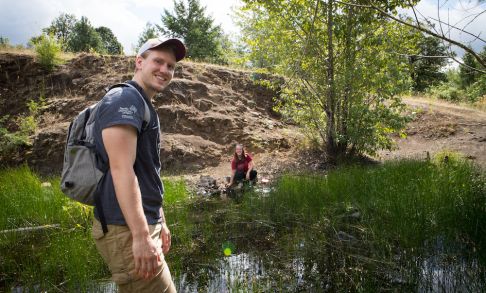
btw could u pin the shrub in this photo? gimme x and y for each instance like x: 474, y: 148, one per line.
x: 476, y: 91
x: 447, y: 91
x: 47, y: 49
x: 13, y: 140
x: 4, y: 42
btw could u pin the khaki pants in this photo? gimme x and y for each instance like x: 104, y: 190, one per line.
x: 116, y: 249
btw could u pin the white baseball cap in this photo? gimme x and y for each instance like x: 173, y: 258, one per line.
x: 177, y: 45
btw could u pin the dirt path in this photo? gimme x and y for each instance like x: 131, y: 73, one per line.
x: 438, y: 126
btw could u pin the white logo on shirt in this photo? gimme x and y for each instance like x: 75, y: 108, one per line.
x: 128, y: 112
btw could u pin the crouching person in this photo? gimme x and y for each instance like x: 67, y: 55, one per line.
x: 129, y: 229
x: 242, y: 167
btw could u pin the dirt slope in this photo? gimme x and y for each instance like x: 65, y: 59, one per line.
x: 203, y: 113
x: 441, y: 126
x: 205, y: 110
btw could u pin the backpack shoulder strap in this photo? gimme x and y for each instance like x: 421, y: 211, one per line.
x: 146, y: 116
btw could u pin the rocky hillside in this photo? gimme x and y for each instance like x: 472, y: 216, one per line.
x: 203, y: 113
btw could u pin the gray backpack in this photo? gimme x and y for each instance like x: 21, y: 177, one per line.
x: 80, y: 172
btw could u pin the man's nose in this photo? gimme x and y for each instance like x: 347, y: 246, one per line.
x: 164, y: 68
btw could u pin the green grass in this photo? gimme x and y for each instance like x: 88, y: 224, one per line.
x: 61, y: 256
x: 404, y: 208
x: 64, y: 256
x: 407, y: 201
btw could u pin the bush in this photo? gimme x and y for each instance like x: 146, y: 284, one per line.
x: 4, y: 42
x: 477, y: 91
x: 447, y: 91
x: 11, y: 141
x: 47, y: 49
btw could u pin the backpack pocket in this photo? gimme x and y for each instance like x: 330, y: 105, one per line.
x: 80, y: 176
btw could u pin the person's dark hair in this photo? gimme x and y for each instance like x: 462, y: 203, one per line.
x: 235, y: 155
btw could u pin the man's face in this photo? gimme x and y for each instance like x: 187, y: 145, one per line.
x: 157, y: 69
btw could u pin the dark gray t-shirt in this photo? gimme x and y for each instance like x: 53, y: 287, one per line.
x: 124, y: 106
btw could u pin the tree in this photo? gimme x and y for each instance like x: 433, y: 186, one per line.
x: 149, y: 32
x: 428, y: 62
x: 343, y: 73
x: 4, y: 42
x: 190, y: 23
x: 61, y: 28
x: 443, y: 33
x: 47, y: 49
x: 472, y: 80
x: 109, y: 41
x: 84, y: 38
x: 467, y: 70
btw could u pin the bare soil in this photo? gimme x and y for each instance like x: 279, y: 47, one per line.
x: 203, y: 113
x: 439, y: 126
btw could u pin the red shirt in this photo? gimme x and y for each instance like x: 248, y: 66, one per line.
x: 241, y: 165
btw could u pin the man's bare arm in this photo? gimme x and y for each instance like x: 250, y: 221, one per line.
x: 121, y: 146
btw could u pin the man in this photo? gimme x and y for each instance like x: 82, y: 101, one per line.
x: 130, y: 194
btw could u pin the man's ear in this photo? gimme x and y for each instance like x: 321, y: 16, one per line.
x: 138, y: 62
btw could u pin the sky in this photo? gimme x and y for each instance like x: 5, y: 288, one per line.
x: 22, y: 19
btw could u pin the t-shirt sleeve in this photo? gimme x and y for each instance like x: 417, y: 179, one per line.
x: 121, y: 106
x: 248, y: 158
x: 233, y: 164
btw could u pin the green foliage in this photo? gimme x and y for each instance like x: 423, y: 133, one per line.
x: 80, y: 36
x: 428, y: 62
x: 47, y: 49
x: 190, y: 23
x: 61, y: 28
x: 149, y: 32
x: 477, y: 91
x: 467, y: 70
x: 233, y: 51
x: 45, y: 257
x: 4, y: 42
x: 447, y: 91
x: 109, y: 41
x: 16, y: 135
x: 66, y: 254
x: 343, y: 75
x: 394, y: 212
x: 84, y: 38
x: 409, y: 202
x: 463, y: 85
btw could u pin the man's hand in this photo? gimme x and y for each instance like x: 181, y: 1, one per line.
x: 147, y: 257
x: 165, y: 237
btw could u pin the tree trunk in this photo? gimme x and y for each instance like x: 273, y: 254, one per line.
x: 331, y: 148
x: 348, y: 80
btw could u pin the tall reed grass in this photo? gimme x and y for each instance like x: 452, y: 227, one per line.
x: 408, y: 201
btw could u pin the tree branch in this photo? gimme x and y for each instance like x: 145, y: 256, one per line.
x: 427, y: 31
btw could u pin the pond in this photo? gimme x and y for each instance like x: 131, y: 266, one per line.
x: 402, y: 227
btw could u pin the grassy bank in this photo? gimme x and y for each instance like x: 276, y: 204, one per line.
x: 62, y: 253
x: 404, y: 225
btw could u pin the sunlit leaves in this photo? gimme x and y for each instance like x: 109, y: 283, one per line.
x: 291, y: 37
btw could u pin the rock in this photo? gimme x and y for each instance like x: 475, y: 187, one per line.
x: 207, y: 186
x: 343, y: 236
